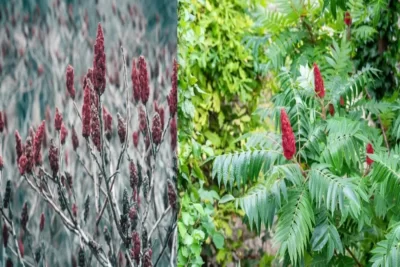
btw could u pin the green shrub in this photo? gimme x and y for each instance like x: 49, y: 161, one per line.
x: 218, y: 91
x: 335, y: 200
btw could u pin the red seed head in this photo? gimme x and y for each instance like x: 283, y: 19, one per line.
x: 75, y: 140
x: 99, y: 63
x: 69, y: 75
x: 135, y: 251
x: 173, y: 132
x: 121, y: 129
x: 24, y: 216
x: 88, y: 77
x: 135, y: 81
x: 1, y: 163
x: 147, y: 258
x: 18, y: 145
x: 144, y: 80
x: 37, y: 142
x: 63, y: 134
x: 142, y: 119
x: 9, y: 263
x: 22, y: 163
x: 133, y: 175
x: 95, y: 127
x: 53, y: 157
x: 5, y: 235
x: 370, y: 150
x: 331, y: 109
x: 347, y: 18
x: 135, y: 137
x: 318, y: 82
x: 29, y: 153
x: 173, y: 95
x: 107, y: 118
x: 42, y: 221
x: 86, y: 113
x: 58, y: 120
x: 156, y: 130
x: 1, y: 122
x: 133, y: 213
x: 342, y: 101
x: 288, y: 140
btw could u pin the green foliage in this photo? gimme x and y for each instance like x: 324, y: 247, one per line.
x: 281, y: 37
x: 331, y: 206
x: 217, y: 91
x: 196, y: 226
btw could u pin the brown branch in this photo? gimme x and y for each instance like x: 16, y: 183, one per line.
x: 354, y: 257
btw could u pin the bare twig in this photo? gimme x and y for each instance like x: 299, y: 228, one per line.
x: 14, y: 235
x: 172, y: 229
x: 77, y: 111
x: 158, y: 222
x: 75, y: 229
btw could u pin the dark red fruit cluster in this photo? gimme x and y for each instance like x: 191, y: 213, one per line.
x: 288, y: 140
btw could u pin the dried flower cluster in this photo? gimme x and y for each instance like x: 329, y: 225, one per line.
x: 156, y: 129
x: 144, y: 80
x: 58, y: 119
x: 121, y: 128
x: 37, y: 143
x: 95, y: 127
x: 173, y: 96
x: 70, y: 81
x: 99, y: 63
x: 86, y: 113
x: 53, y: 158
x: 135, y: 81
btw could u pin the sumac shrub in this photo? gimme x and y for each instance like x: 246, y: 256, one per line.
x: 325, y: 183
x: 101, y: 181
